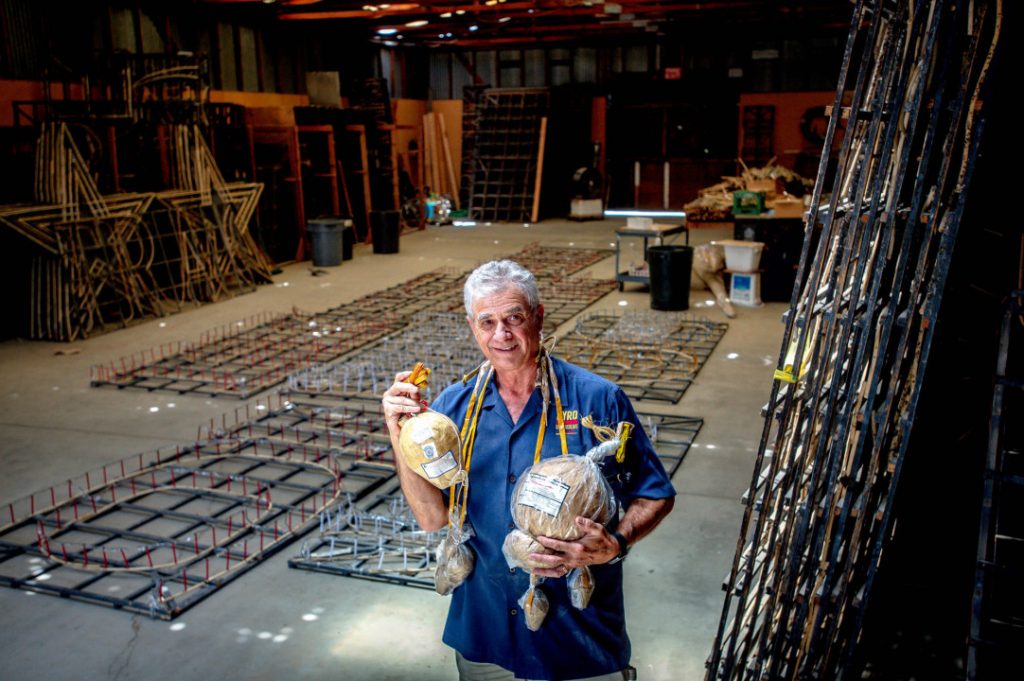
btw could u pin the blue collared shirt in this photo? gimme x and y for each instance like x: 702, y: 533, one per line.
x: 485, y: 622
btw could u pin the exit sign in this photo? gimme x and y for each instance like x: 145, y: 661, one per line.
x: 673, y: 72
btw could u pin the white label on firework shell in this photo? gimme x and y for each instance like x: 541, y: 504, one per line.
x: 437, y: 468
x: 430, y: 450
x: 543, y: 493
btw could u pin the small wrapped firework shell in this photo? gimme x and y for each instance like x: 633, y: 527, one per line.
x: 581, y: 587
x: 535, y: 607
x: 455, y: 560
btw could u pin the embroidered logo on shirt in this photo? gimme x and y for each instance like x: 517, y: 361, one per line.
x: 571, y: 419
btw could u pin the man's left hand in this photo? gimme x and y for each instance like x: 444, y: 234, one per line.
x: 596, y: 546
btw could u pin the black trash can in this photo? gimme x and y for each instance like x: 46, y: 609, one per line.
x: 670, y: 276
x: 326, y: 240
x: 348, y: 239
x: 384, y: 228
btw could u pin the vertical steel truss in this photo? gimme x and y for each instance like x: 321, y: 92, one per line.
x: 253, y: 355
x: 857, y: 339
x: 997, y: 629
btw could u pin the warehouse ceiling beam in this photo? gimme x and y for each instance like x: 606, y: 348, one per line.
x: 492, y: 21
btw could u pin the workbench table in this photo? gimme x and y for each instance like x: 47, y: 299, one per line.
x: 655, y: 231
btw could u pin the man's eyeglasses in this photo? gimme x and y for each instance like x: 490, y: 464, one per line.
x: 510, y: 321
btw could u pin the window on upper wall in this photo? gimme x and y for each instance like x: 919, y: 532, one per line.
x: 267, y: 62
x: 440, y: 87
x: 461, y: 77
x: 510, y: 63
x: 228, y: 78
x: 535, y: 68
x: 122, y: 29
x: 584, y: 65
x: 152, y: 38
x: 250, y: 80
x: 485, y: 67
x: 560, y: 64
x: 202, y: 47
x: 636, y: 59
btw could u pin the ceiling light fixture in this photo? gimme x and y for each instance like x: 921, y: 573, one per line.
x: 504, y: 20
x: 387, y: 30
x: 460, y: 12
x: 446, y: 15
x: 473, y: 27
x: 417, y: 23
x: 369, y: 8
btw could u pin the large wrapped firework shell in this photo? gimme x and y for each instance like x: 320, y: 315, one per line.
x: 552, y: 493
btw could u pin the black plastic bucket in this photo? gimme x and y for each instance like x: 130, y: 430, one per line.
x: 670, y: 276
x: 348, y: 239
x: 326, y: 241
x: 384, y: 228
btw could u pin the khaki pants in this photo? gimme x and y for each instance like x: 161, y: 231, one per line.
x: 481, y: 671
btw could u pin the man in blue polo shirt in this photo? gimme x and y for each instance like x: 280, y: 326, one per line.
x: 485, y: 625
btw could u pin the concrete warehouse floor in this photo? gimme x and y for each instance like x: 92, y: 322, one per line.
x: 278, y: 623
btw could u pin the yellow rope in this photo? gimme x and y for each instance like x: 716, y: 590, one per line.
x: 602, y: 433
x: 559, y: 414
x: 468, y: 437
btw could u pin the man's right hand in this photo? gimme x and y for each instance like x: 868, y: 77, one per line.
x: 424, y: 499
x: 401, y: 398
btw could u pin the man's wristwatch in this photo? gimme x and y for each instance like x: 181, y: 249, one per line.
x: 623, y: 548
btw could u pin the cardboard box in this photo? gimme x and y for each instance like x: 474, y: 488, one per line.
x: 789, y: 207
x: 768, y: 185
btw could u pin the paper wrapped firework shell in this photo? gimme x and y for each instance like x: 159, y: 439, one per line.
x: 551, y: 493
x: 535, y: 607
x: 517, y: 549
x: 581, y: 587
x: 455, y: 560
x: 430, y: 445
